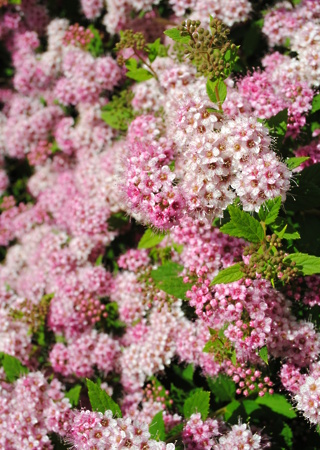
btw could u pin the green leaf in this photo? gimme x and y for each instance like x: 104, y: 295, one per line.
x: 315, y: 103
x: 15, y: 2
x: 263, y: 353
x: 211, y: 346
x: 117, y: 119
x: 99, y: 260
x: 269, y: 211
x: 292, y: 163
x: 212, y: 110
x: 223, y: 388
x: 150, y: 239
x: 156, y: 49
x: 188, y: 372
x: 284, y: 230
x: 250, y: 406
x: 175, y: 35
x: 315, y: 126
x: 197, y: 403
x: 230, y: 409
x: 167, y: 278
x: 278, y: 404
x: 278, y: 126
x: 101, y: 401
x: 74, y: 394
x: 228, y: 275
x: 131, y: 64
x: 156, y: 427
x: 243, y: 225
x: 308, y: 264
x: 95, y: 46
x: 139, y: 74
x: 287, y: 435
x: 153, y: 49
x: 54, y: 147
x: 216, y: 89
x: 12, y: 367
x: 231, y: 57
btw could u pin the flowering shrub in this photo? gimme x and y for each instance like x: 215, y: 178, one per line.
x: 159, y: 217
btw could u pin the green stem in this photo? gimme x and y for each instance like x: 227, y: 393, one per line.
x: 264, y: 229
x: 216, y: 91
x: 220, y: 412
x: 147, y: 64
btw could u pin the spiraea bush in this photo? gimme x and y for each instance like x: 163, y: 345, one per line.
x: 159, y: 224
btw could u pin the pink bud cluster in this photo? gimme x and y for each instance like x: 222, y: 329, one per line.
x: 249, y: 380
x: 78, y: 36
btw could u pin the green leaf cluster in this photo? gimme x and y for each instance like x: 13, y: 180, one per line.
x: 167, y: 278
x: 156, y: 49
x: 112, y: 323
x: 118, y: 113
x: 95, y: 46
x: 74, y: 394
x: 219, y: 346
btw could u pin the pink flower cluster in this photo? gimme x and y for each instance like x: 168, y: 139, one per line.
x: 200, y: 435
x: 306, y: 393
x: 149, y: 180
x: 29, y: 409
x: 96, y: 430
x: 84, y: 77
x: 83, y: 353
x: 177, y: 169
